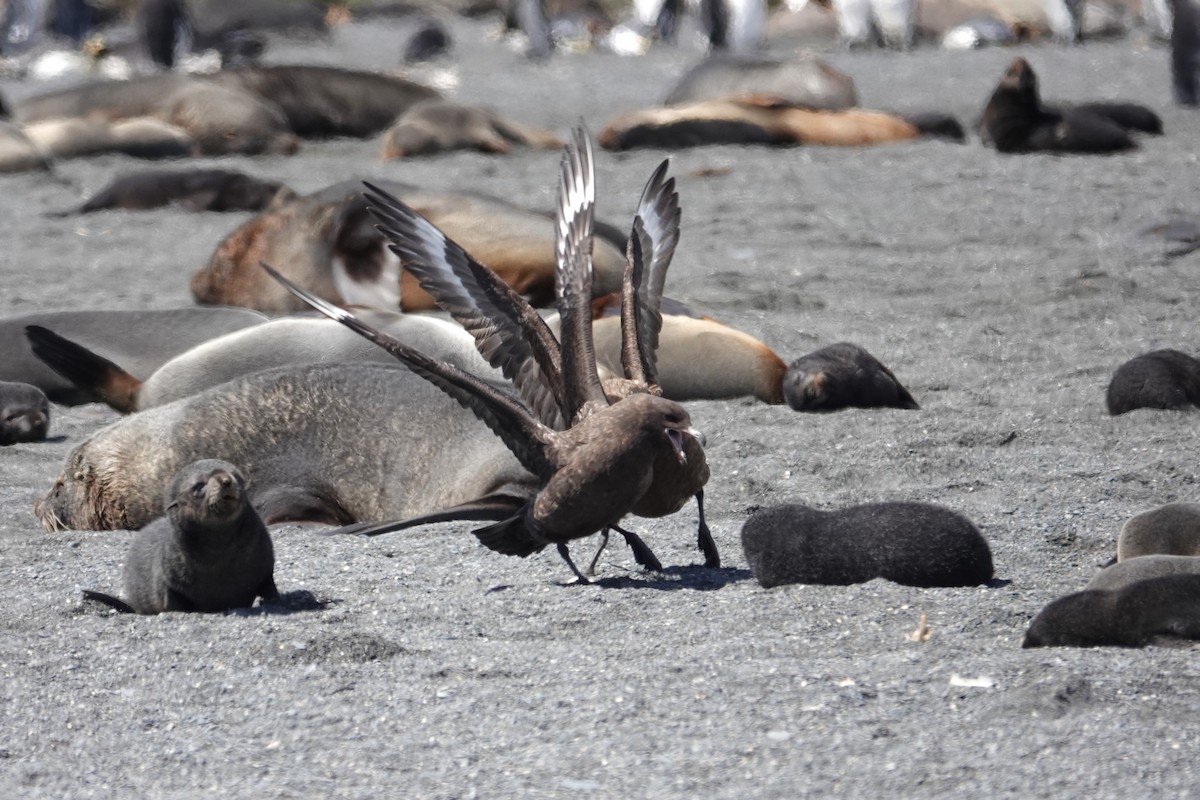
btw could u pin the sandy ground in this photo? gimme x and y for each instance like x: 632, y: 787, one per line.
x: 1003, y: 291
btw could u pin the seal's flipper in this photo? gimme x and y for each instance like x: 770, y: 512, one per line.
x: 87, y: 370
x: 296, y: 504
x: 115, y: 603
x: 489, y: 507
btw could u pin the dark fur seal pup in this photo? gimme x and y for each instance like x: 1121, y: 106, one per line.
x: 438, y: 126
x: 1165, y: 379
x: 767, y: 120
x: 24, y: 413
x: 1015, y: 121
x: 1172, y: 529
x: 1140, y: 568
x: 803, y: 81
x: 841, y: 376
x: 192, y: 189
x: 431, y: 40
x: 1128, y: 617
x: 916, y: 544
x: 209, y: 553
x: 599, y: 450
x: 327, y: 243
x: 140, y: 341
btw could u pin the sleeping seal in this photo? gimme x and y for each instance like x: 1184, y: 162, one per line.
x: 140, y: 341
x: 1167, y: 379
x: 331, y: 443
x: 1172, y: 529
x: 916, y: 544
x: 1139, y: 568
x: 439, y: 126
x: 277, y: 343
x: 327, y: 243
x: 843, y: 375
x: 1127, y: 617
x: 209, y: 553
x: 24, y: 413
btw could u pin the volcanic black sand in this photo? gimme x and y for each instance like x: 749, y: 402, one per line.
x: 1002, y: 291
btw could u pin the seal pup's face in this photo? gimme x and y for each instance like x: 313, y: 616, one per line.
x: 1021, y: 78
x: 209, y: 493
x: 24, y: 414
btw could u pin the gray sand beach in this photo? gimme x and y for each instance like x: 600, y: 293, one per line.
x: 1002, y: 291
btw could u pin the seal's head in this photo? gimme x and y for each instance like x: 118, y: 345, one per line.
x: 24, y: 413
x: 208, y: 494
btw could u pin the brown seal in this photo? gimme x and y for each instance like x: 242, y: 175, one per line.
x: 439, y: 126
x: 209, y: 553
x: 327, y: 243
x: 1172, y: 529
x: 762, y: 119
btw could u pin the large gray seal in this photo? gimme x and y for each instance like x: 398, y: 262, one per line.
x: 210, y: 552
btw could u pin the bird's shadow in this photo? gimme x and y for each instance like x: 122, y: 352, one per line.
x: 696, y: 577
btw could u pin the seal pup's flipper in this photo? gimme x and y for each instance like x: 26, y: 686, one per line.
x: 115, y: 603
x: 509, y: 333
x: 87, y: 370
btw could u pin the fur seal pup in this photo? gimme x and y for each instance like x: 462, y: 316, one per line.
x: 843, y: 375
x: 24, y: 413
x: 916, y: 544
x: 1127, y: 617
x: 192, y: 189
x: 327, y: 243
x: 141, y: 341
x: 1015, y: 121
x: 801, y: 81
x: 1140, y: 568
x: 1172, y: 529
x: 767, y: 120
x: 328, y: 443
x: 439, y: 126
x: 211, y: 552
x: 599, y: 450
x: 1166, y: 379
x: 277, y: 343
